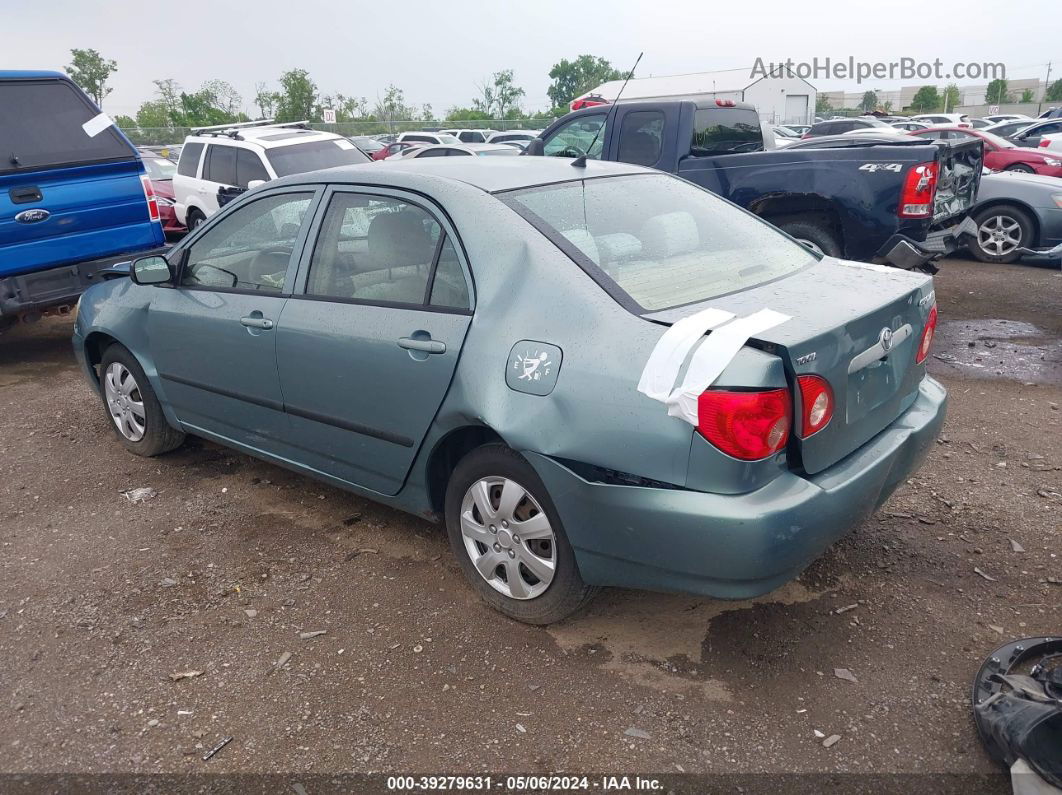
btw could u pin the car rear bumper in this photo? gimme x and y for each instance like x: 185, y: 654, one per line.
x: 30, y: 293
x: 735, y: 546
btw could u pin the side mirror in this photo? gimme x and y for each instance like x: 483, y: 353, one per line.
x: 151, y: 270
x: 536, y: 147
x: 254, y: 183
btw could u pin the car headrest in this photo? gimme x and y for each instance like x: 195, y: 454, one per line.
x: 584, y: 241
x: 670, y: 234
x: 397, y: 239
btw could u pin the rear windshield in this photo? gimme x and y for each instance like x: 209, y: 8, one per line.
x: 41, y: 127
x: 300, y: 158
x: 656, y: 240
x: 717, y: 131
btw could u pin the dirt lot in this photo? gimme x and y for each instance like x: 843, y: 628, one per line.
x: 103, y: 600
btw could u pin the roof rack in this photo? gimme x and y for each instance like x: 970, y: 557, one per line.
x: 233, y: 130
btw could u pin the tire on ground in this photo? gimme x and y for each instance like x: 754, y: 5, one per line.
x: 1007, y: 212
x: 567, y: 593
x: 814, y: 232
x: 159, y: 436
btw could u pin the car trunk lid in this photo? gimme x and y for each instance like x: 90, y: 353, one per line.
x: 839, y: 313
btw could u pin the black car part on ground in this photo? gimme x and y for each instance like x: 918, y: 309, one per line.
x: 1020, y: 715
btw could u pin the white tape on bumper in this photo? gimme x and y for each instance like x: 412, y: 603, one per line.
x: 658, y: 377
x: 712, y: 357
x: 96, y: 125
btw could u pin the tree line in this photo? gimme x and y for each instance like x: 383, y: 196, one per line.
x: 297, y: 97
x: 930, y: 99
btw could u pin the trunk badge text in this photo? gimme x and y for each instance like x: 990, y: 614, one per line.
x: 807, y: 357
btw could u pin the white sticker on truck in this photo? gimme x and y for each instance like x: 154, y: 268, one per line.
x: 96, y: 125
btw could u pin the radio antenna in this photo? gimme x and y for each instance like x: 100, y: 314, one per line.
x: 580, y: 161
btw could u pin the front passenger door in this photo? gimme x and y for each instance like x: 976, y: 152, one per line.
x: 213, y: 334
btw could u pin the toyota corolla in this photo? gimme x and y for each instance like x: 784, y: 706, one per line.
x: 594, y: 374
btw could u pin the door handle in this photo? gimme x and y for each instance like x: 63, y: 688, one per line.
x: 425, y: 346
x: 257, y: 322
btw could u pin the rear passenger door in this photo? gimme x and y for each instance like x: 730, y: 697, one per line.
x: 219, y: 171
x: 368, y: 342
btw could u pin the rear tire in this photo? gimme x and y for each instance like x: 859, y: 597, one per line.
x: 195, y: 218
x: 505, y: 578
x: 132, y: 410
x: 1001, y: 230
x: 814, y: 236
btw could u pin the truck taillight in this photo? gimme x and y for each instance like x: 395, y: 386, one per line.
x: 725, y: 103
x: 745, y: 425
x: 816, y: 398
x: 149, y: 194
x: 919, y: 188
x: 927, y: 336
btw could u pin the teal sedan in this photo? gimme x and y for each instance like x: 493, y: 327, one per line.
x: 594, y: 374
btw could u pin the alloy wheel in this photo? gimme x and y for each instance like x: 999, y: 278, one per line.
x: 124, y: 401
x: 999, y: 235
x: 508, y: 537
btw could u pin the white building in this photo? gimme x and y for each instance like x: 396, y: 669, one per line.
x: 777, y: 99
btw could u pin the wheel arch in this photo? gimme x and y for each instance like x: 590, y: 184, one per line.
x: 96, y: 343
x: 446, y: 454
x: 779, y: 208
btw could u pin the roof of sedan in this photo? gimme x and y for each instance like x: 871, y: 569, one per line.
x: 493, y: 174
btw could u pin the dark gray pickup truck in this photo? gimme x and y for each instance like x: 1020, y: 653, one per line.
x: 904, y: 205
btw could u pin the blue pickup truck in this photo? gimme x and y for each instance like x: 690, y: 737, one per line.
x: 74, y: 196
x: 903, y: 204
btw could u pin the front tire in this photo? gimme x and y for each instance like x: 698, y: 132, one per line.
x: 1021, y: 168
x: 132, y: 409
x: 1001, y: 231
x: 509, y: 540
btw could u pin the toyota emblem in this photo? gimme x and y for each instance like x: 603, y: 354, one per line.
x: 885, y: 338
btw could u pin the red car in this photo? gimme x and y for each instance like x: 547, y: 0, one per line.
x: 394, y: 149
x: 160, y: 171
x: 1001, y: 154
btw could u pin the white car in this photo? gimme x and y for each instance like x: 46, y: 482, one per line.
x: 943, y: 119
x: 1052, y: 141
x: 999, y: 117
x: 457, y: 150
x: 909, y: 126
x: 470, y: 136
x: 235, y: 157
x: 886, y: 131
x: 508, y: 136
x: 429, y: 137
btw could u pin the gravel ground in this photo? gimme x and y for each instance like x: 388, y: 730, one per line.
x: 105, y: 602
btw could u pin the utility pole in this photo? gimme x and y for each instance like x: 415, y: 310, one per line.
x: 1047, y: 85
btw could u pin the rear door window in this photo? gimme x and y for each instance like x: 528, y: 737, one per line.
x: 719, y: 131
x: 41, y: 126
x: 220, y: 164
x: 641, y: 137
x: 189, y: 164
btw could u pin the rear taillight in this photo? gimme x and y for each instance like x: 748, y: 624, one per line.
x: 745, y: 425
x: 816, y: 398
x: 927, y: 336
x: 149, y: 194
x: 919, y: 188
x: 1045, y: 143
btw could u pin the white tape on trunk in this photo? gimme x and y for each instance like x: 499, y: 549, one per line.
x: 96, y: 125
x: 712, y: 357
x: 658, y: 377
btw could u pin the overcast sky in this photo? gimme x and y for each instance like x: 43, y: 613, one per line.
x: 437, y: 52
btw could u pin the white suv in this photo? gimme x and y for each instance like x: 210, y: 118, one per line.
x: 231, y: 158
x: 435, y: 138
